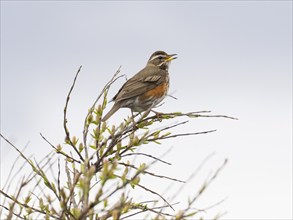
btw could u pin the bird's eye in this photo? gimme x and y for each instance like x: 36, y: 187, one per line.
x: 160, y: 57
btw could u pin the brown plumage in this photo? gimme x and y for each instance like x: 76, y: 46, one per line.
x: 147, y: 88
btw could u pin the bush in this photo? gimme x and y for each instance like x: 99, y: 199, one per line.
x: 93, y: 178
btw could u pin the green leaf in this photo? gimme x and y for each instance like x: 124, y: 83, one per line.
x: 46, y: 182
x: 58, y: 148
x: 135, y: 181
x: 69, y: 160
x: 119, y: 146
x: 142, y: 167
x: 105, y: 101
x: 80, y: 148
x: 90, y: 119
x: 53, y: 186
x: 41, y: 204
x: 93, y: 147
x: 98, y: 111
x: 105, y: 202
x: 76, y: 212
x: 27, y: 199
x: 96, y: 133
x: 123, y: 177
x: 167, y: 134
x: 156, y: 134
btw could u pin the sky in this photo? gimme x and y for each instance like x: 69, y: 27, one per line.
x: 234, y: 58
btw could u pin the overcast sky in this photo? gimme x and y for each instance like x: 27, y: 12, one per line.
x: 234, y: 58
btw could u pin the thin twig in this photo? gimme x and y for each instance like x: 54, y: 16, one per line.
x: 12, y: 167
x: 198, y: 114
x: 106, y: 87
x: 213, y: 205
x: 60, y: 152
x: 17, y: 215
x: 147, y: 155
x: 178, y: 135
x: 152, y: 174
x: 192, y: 176
x: 153, y: 192
x: 26, y: 206
x: 68, y: 139
x: 206, y: 184
x: 58, y: 180
x: 145, y: 208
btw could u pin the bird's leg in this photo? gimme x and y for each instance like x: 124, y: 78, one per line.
x: 145, y: 114
x: 158, y: 115
x: 133, y: 121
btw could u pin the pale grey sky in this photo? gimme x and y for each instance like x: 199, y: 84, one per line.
x: 234, y: 58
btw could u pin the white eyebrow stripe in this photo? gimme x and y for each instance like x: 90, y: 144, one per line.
x: 160, y: 55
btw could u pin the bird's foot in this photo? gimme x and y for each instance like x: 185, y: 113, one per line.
x: 158, y: 115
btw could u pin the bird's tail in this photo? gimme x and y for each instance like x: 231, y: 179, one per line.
x: 111, y: 112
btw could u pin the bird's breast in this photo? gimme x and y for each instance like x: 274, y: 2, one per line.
x: 157, y: 94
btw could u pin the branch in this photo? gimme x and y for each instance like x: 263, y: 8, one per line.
x: 26, y: 206
x: 7, y: 209
x: 198, y: 114
x: 60, y: 152
x: 202, y: 189
x: 192, y: 176
x: 105, y: 89
x: 153, y: 192
x: 68, y: 140
x: 152, y: 174
x: 178, y: 135
x: 147, y: 155
x: 145, y: 208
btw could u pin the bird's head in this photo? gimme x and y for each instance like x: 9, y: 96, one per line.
x: 161, y: 59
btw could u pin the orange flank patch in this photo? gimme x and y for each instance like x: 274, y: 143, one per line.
x: 157, y: 92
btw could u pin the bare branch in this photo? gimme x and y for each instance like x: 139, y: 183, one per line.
x: 198, y: 114
x: 153, y: 192
x: 68, y: 139
x: 153, y: 174
x: 202, y: 189
x: 192, y: 176
x: 178, y: 135
x: 59, y: 151
x: 147, y: 155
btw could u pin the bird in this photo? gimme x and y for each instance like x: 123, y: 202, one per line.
x: 146, y: 89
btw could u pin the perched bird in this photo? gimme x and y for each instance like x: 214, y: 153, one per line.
x: 147, y: 88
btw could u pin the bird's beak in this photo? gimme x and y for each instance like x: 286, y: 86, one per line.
x: 171, y: 57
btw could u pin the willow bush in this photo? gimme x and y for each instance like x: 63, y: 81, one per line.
x: 93, y: 176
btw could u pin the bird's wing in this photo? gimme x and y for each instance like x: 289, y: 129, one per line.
x: 140, y: 84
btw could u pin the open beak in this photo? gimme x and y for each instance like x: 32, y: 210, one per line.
x: 171, y: 57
